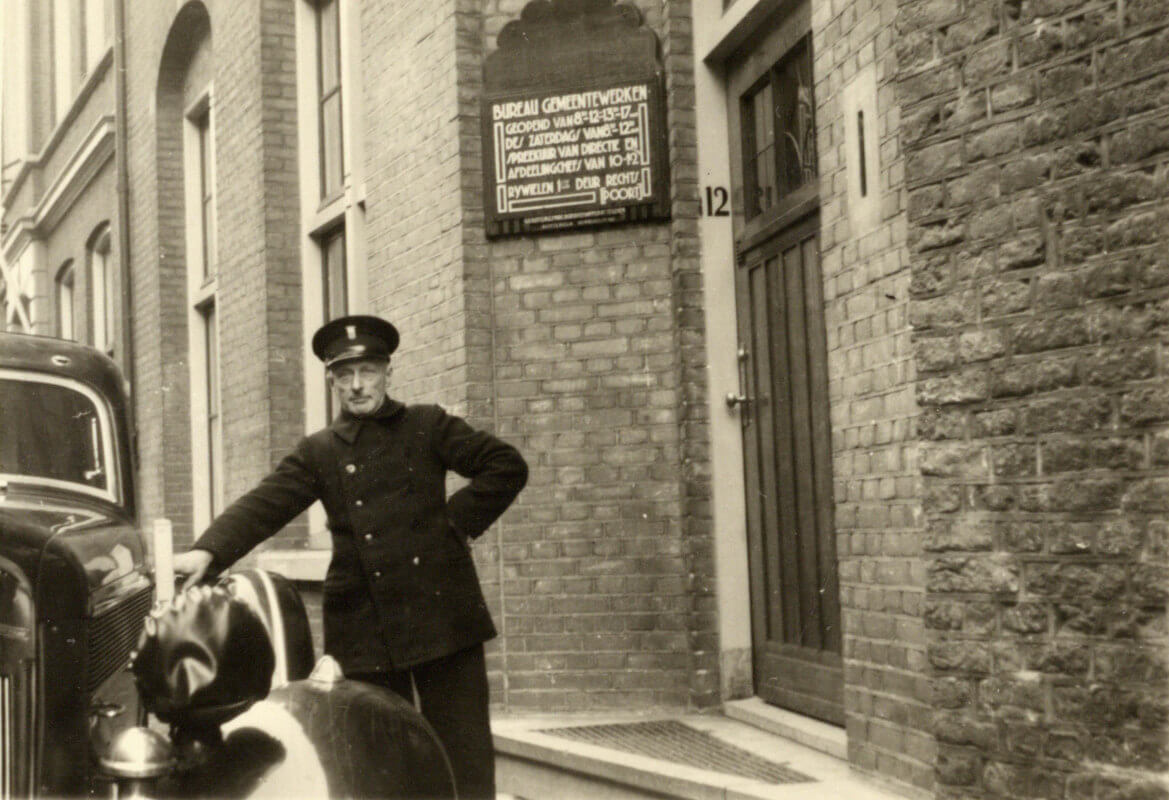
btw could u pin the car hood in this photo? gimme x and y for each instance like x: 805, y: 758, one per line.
x: 77, y: 555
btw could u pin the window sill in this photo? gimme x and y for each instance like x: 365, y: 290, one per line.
x: 296, y: 565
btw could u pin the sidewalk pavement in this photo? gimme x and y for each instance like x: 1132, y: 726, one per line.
x: 536, y: 765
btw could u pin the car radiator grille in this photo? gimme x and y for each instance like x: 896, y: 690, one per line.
x: 113, y: 635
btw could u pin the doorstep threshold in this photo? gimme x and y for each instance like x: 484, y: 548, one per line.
x: 807, y: 731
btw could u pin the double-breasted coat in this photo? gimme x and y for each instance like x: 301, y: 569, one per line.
x: 401, y: 588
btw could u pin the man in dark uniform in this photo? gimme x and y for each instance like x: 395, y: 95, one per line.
x: 402, y: 603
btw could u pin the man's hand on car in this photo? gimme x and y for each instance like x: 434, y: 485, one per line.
x: 194, y: 565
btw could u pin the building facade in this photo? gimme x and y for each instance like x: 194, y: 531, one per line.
x: 864, y: 419
x: 61, y: 224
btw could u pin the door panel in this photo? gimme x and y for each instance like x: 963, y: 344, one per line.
x: 787, y: 441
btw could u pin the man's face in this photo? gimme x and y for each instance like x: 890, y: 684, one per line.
x: 360, y: 385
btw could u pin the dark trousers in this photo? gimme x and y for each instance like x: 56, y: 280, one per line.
x: 453, y: 697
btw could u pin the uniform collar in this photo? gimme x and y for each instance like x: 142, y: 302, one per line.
x: 348, y: 426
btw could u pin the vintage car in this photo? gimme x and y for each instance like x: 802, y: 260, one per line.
x: 81, y: 633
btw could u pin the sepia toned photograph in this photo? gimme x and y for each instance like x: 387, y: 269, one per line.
x: 584, y: 399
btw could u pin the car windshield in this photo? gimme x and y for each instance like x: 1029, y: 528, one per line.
x: 54, y: 431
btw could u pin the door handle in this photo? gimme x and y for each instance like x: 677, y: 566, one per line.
x: 734, y: 400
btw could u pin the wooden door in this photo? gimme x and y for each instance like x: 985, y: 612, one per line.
x: 787, y: 446
x: 795, y: 605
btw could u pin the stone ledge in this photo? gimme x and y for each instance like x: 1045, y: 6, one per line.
x: 805, y: 730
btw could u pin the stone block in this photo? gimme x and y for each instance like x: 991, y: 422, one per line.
x: 1114, y: 191
x: 1051, y: 332
x: 1027, y: 377
x: 1080, y: 243
x: 1026, y: 618
x: 961, y: 573
x: 927, y: 84
x: 990, y: 62
x: 994, y: 222
x: 959, y: 656
x: 981, y: 184
x: 1118, y: 275
x: 957, y: 767
x: 1015, y: 93
x: 1065, y: 80
x: 1003, y: 297
x: 1144, y: 405
x: 960, y: 534
x: 953, y: 460
x: 962, y: 387
x: 994, y: 141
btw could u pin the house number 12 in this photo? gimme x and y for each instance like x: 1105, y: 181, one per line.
x: 716, y: 202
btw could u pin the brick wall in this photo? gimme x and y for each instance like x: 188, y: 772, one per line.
x: 1036, y: 150
x: 414, y: 217
x: 249, y: 62
x: 158, y: 272
x: 871, y: 378
x: 584, y: 349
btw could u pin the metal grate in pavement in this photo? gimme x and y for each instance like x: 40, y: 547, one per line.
x: 671, y: 740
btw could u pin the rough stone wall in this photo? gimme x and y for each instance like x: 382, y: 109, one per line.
x: 1036, y: 151
x: 871, y: 379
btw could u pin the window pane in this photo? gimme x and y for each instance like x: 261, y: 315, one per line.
x: 206, y: 179
x: 97, y: 299
x: 331, y: 154
x: 214, y: 423
x: 65, y: 303
x: 336, y: 286
x: 795, y: 109
x: 759, y: 149
x: 52, y: 432
x: 64, y: 58
x: 110, y: 291
x: 330, y: 97
x: 96, y: 34
x: 329, y: 46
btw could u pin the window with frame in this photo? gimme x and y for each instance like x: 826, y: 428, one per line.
x: 334, y: 279
x: 330, y: 126
x: 334, y: 288
x: 213, y: 422
x: 102, y: 284
x: 63, y: 289
x: 779, y: 132
x: 80, y: 38
x: 206, y: 191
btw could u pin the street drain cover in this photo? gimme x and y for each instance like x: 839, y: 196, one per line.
x: 671, y: 740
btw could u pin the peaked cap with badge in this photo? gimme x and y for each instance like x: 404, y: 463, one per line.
x: 353, y: 337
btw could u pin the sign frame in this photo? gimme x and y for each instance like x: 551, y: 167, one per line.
x: 569, y: 208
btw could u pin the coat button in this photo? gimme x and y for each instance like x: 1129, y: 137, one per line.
x: 415, y: 560
x: 377, y: 573
x: 351, y: 468
x: 369, y: 537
